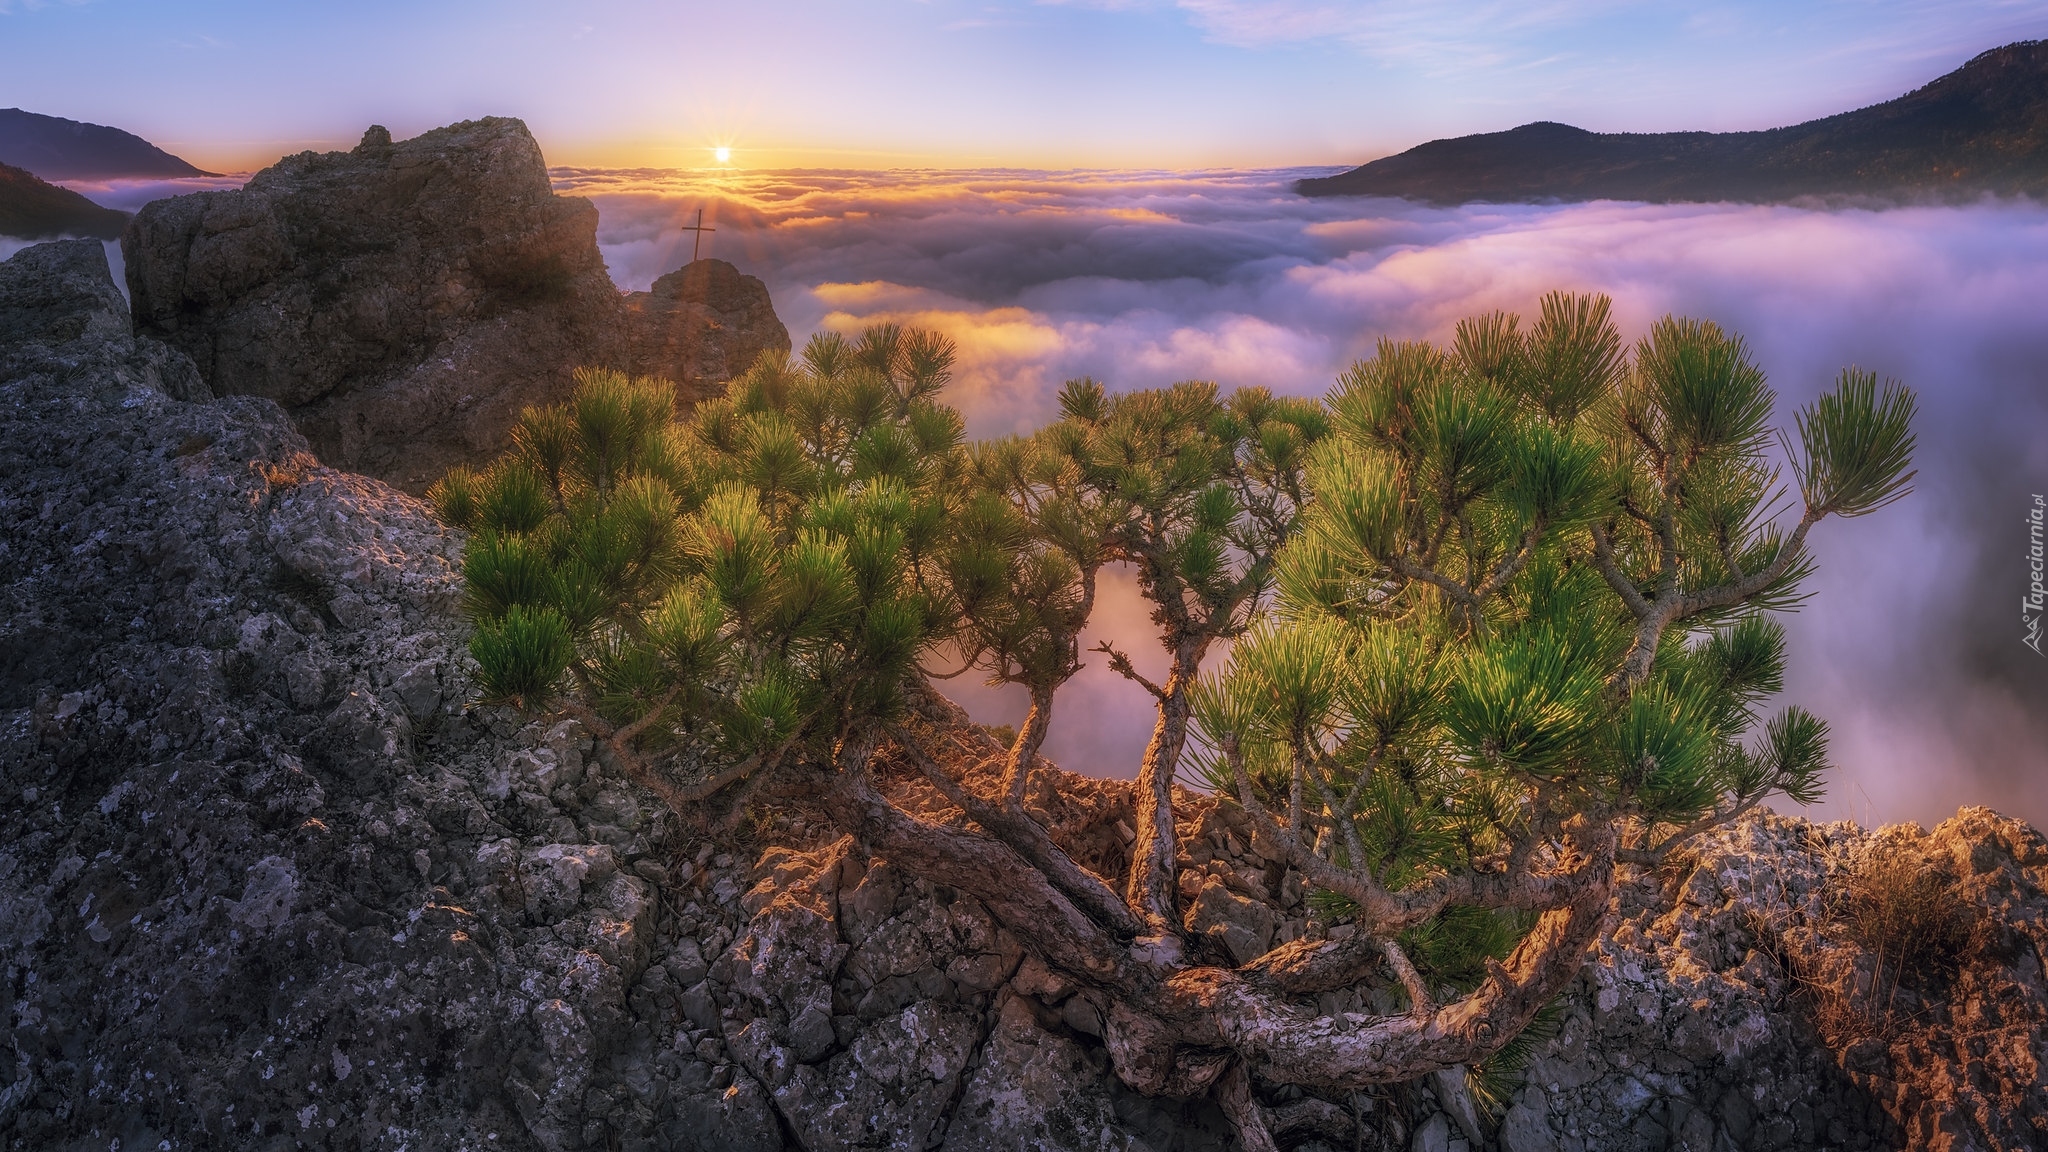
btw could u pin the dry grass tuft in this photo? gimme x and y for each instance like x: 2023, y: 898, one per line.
x: 1910, y: 915
x: 1894, y: 931
x: 289, y: 472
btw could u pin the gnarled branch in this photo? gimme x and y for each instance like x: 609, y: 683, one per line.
x: 1216, y: 1007
x: 1030, y: 840
x: 1017, y: 894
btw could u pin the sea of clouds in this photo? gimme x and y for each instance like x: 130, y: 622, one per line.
x: 1911, y: 645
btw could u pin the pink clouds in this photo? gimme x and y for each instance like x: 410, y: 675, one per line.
x: 1140, y: 279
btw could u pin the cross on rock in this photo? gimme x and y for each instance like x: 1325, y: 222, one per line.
x: 700, y: 230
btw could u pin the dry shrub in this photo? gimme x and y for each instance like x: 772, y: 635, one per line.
x: 1907, y: 914
x: 288, y: 472
x: 1910, y: 915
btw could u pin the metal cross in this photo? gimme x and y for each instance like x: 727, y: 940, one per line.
x: 700, y: 230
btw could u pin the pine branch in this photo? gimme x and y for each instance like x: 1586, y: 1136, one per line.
x: 1122, y: 666
x: 1746, y: 586
x: 1420, y: 1003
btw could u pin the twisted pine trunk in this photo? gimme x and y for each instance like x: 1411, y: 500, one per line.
x: 1151, y: 890
x: 1176, y: 1029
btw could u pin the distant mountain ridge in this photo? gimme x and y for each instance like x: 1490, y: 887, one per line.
x: 1982, y: 128
x: 32, y: 209
x: 58, y: 149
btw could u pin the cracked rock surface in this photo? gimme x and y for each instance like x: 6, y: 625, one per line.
x: 264, y: 881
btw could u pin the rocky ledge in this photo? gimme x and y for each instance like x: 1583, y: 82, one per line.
x: 405, y: 300
x: 268, y: 879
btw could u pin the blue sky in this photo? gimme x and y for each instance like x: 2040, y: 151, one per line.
x: 955, y: 83
x: 884, y: 83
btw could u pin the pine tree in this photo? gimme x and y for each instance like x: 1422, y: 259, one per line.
x: 1499, y: 619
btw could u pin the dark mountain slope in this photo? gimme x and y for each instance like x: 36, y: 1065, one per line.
x: 33, y: 210
x: 58, y: 149
x: 1980, y: 129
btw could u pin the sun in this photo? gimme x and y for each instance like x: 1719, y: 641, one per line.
x: 722, y: 154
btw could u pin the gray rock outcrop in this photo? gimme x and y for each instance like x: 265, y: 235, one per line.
x: 700, y: 326
x: 269, y: 880
x: 404, y: 301
x: 265, y: 882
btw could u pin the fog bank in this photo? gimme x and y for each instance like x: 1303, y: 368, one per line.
x: 1911, y: 645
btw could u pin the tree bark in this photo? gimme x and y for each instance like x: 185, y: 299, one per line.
x: 1234, y: 1092
x: 1024, y: 750
x: 1017, y: 894
x: 1306, y: 967
x: 1151, y: 891
x: 1209, y: 1008
x: 1030, y: 840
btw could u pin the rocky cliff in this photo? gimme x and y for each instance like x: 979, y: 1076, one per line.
x: 269, y: 880
x: 404, y: 301
x: 265, y: 881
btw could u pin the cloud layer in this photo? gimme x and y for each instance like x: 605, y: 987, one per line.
x: 1911, y: 645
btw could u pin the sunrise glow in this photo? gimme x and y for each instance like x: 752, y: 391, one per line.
x: 1087, y: 84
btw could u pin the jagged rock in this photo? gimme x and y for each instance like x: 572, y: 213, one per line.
x: 1732, y: 1006
x: 264, y: 880
x: 1036, y: 1089
x: 61, y: 313
x: 1433, y: 1136
x: 404, y: 301
x: 700, y: 326
x: 1526, y: 1127
x: 1242, y: 926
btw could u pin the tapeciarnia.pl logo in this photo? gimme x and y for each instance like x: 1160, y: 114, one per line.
x: 2037, y: 597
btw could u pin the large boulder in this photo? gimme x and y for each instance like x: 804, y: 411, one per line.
x: 700, y: 326
x: 54, y: 294
x: 404, y: 301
